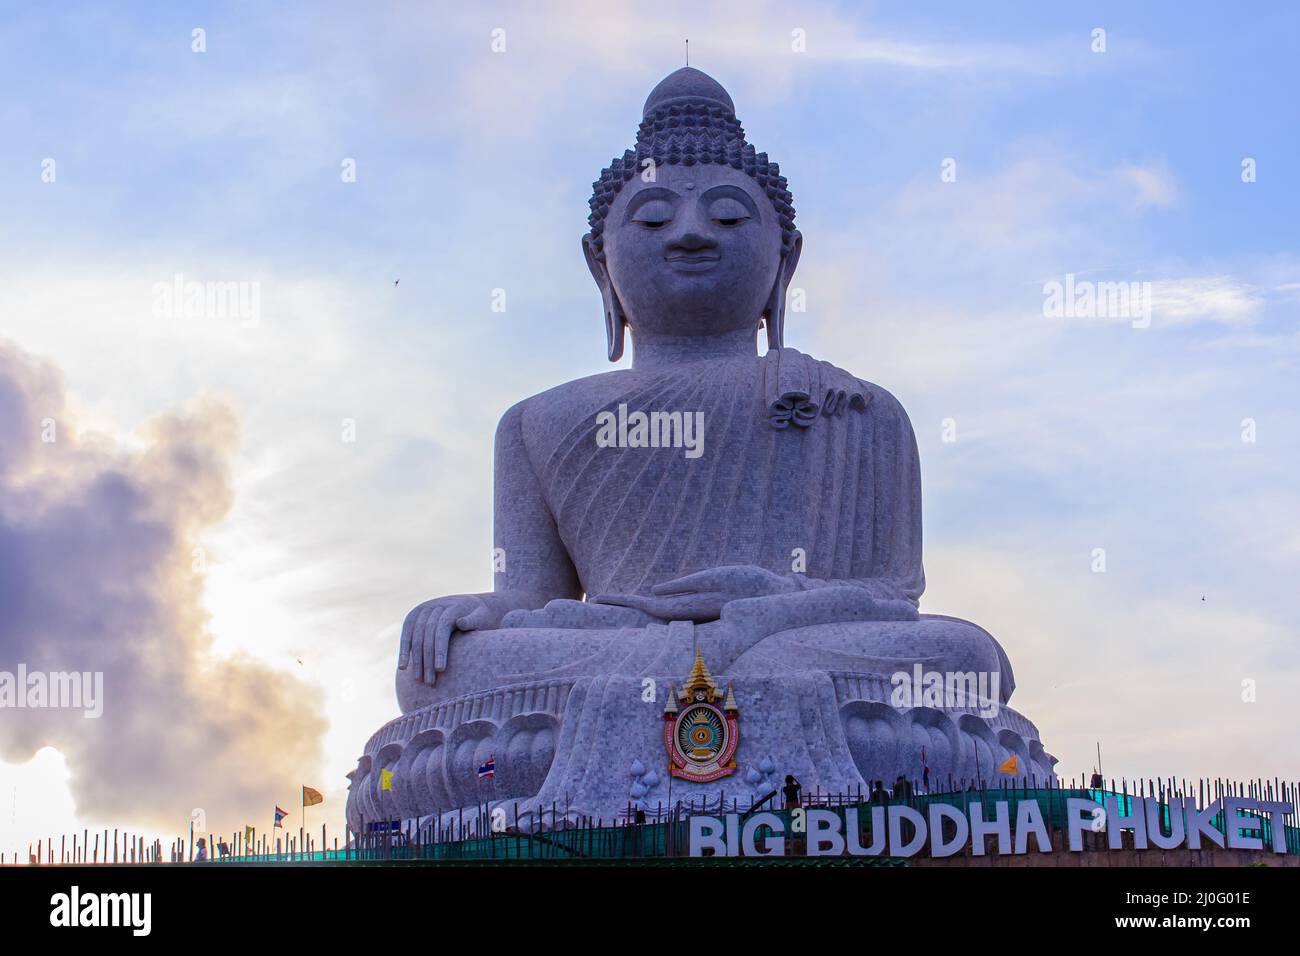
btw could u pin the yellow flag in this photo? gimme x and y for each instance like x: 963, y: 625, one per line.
x: 311, y: 797
x: 248, y: 836
x: 1012, y: 765
x: 385, y: 780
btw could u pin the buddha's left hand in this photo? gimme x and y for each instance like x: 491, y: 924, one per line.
x: 702, y: 596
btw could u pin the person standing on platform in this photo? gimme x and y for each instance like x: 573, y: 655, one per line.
x: 791, y: 790
x: 901, y: 788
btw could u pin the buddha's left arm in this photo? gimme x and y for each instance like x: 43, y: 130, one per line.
x: 886, y: 561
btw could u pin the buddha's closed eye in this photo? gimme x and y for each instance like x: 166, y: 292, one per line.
x: 654, y: 214
x: 728, y: 212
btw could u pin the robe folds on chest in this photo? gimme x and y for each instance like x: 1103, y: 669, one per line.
x: 802, y: 469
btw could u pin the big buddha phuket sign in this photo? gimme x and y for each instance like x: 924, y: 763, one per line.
x: 904, y: 831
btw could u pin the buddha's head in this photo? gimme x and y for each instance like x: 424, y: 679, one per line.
x: 692, y: 232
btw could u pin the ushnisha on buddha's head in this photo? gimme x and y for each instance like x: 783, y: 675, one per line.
x: 692, y: 232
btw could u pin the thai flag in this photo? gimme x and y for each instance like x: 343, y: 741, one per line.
x: 280, y: 815
x: 489, y: 769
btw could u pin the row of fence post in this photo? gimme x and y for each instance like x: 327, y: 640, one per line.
x: 486, y: 830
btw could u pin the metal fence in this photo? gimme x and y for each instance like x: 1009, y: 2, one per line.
x: 644, y: 832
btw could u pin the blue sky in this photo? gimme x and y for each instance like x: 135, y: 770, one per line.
x: 474, y: 169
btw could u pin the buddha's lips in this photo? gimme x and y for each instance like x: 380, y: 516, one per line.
x: 694, y: 261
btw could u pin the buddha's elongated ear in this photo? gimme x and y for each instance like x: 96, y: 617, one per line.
x: 615, y: 318
x: 774, y: 314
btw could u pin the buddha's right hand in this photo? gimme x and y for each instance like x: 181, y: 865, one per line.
x: 426, y: 632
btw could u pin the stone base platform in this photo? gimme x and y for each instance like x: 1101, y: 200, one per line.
x: 594, y: 746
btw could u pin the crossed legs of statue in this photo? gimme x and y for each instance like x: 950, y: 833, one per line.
x: 835, y: 630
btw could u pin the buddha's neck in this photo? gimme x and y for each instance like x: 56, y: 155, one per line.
x: 653, y: 351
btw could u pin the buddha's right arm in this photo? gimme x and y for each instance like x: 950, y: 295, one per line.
x: 531, y: 565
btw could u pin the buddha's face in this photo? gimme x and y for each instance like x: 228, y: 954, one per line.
x: 695, y: 252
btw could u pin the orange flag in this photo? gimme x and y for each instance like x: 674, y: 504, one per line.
x: 311, y: 797
x: 1011, y: 766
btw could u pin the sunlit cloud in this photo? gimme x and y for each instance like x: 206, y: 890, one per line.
x: 103, y: 574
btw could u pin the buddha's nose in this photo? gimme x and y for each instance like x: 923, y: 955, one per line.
x: 691, y: 240
x: 691, y: 233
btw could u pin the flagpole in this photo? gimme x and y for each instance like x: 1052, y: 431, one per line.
x: 670, y: 783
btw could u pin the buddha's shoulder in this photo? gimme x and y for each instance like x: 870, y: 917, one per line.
x: 880, y: 402
x: 883, y: 402
x: 557, y: 406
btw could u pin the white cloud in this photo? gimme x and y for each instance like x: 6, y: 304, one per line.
x: 1153, y: 183
x: 1220, y: 299
x: 553, y: 55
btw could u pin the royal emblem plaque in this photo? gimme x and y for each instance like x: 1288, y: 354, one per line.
x: 701, y: 728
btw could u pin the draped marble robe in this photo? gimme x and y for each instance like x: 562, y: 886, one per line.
x: 797, y: 454
x: 782, y: 468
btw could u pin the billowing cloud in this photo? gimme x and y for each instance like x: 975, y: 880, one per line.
x: 101, y: 571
